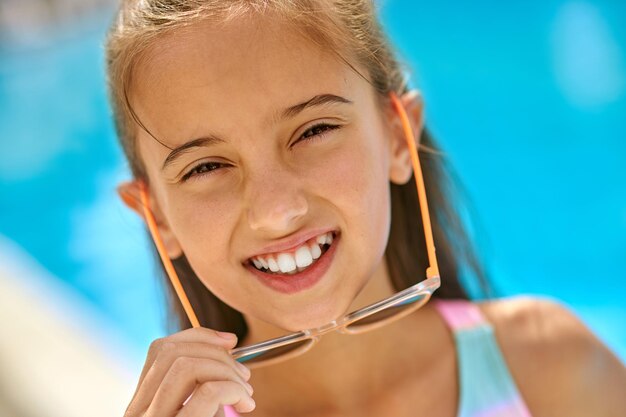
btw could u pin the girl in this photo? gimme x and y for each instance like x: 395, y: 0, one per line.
x: 270, y: 143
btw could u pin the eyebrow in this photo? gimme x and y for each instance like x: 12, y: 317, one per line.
x: 290, y: 112
x: 186, y: 147
x: 318, y: 100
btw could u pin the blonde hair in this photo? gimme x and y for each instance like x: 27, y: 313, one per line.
x: 349, y: 29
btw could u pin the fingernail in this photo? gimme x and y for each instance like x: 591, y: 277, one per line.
x: 249, y: 388
x: 227, y: 336
x: 243, y: 368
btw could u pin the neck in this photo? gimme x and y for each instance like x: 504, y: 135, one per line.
x: 330, y: 377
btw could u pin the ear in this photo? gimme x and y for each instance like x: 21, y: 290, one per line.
x: 400, y: 168
x: 130, y: 193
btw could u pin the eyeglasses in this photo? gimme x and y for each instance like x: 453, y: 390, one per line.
x: 362, y: 320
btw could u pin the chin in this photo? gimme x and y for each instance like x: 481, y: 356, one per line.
x: 310, y: 318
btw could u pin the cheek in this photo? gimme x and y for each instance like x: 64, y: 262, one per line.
x: 202, y: 227
x: 356, y: 180
x: 206, y: 235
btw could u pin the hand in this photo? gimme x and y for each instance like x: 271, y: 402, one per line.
x: 191, y: 374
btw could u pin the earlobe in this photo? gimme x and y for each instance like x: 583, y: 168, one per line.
x: 130, y: 193
x: 401, y: 168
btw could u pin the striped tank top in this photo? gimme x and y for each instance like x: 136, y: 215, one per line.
x: 486, y: 386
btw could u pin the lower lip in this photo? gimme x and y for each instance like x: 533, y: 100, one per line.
x: 290, y: 284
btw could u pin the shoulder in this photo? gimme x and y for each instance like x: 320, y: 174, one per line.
x: 560, y: 367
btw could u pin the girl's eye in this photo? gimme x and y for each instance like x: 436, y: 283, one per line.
x: 317, y: 131
x: 205, y: 168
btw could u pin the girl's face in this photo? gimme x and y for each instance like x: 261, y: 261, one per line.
x: 254, y: 166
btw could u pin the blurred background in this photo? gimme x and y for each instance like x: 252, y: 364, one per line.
x: 527, y: 98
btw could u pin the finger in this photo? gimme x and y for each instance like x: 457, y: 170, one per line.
x: 183, y: 377
x: 194, y: 335
x: 169, y: 353
x: 209, y: 397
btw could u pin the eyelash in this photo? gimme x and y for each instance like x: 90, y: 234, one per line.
x: 196, y: 171
x: 327, y: 127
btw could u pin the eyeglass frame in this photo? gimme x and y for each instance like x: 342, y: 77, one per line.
x: 424, y: 288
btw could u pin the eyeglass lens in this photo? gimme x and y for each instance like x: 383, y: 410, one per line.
x: 272, y: 353
x: 390, y: 312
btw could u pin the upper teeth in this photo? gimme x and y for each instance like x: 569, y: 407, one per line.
x: 287, y: 262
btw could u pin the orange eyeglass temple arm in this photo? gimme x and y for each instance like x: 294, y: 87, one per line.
x: 169, y: 267
x: 433, y: 269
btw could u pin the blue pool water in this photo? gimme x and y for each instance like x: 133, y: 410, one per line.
x: 528, y: 100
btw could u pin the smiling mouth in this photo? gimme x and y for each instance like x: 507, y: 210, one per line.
x: 293, y: 262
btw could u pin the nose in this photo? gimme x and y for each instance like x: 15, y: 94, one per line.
x: 276, y: 201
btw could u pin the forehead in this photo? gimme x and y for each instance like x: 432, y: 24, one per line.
x: 253, y: 68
